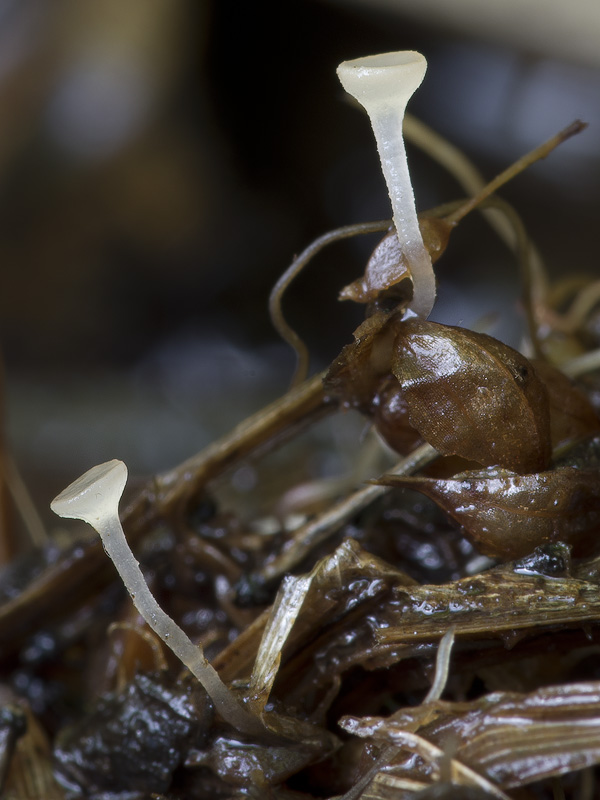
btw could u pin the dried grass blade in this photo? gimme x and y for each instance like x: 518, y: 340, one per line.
x: 529, y: 738
x: 507, y: 739
x: 283, y: 615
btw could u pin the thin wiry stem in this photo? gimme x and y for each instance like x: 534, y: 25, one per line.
x: 160, y: 662
x: 23, y: 500
x: 287, y: 333
x: 582, y: 305
x: 541, y: 151
x: 532, y: 273
x: 510, y: 229
x: 532, y: 276
x: 588, y: 362
x: 444, y: 153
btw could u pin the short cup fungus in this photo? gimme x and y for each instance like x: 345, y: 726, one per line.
x: 383, y: 84
x: 94, y: 498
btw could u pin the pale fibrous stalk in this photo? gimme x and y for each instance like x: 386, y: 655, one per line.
x: 383, y: 85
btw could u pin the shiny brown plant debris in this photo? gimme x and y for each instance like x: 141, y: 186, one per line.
x: 318, y: 644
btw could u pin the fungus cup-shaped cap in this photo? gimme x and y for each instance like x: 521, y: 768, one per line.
x: 379, y: 81
x: 95, y: 495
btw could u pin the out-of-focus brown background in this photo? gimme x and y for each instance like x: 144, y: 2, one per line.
x: 161, y: 162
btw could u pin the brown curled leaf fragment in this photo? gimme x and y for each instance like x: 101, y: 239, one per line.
x: 387, y: 269
x: 391, y: 417
x: 360, y: 377
x: 470, y: 395
x: 355, y: 374
x: 508, y: 515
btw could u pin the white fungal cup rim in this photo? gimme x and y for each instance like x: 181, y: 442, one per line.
x: 383, y: 61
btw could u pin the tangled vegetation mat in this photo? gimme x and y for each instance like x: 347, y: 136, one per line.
x: 428, y: 633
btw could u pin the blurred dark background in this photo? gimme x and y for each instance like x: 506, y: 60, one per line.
x: 161, y: 163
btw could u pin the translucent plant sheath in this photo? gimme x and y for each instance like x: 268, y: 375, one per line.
x: 94, y: 498
x: 383, y: 84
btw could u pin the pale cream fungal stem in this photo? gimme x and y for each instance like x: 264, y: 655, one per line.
x: 94, y: 498
x: 383, y: 85
x: 442, y: 666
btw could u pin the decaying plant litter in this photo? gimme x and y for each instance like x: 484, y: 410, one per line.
x: 428, y: 632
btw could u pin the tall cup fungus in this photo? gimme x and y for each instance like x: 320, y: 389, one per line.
x: 383, y: 85
x: 94, y: 498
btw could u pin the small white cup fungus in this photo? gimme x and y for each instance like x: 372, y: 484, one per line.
x: 383, y: 84
x: 94, y: 498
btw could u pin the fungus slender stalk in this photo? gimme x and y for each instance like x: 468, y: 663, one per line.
x: 383, y: 84
x: 94, y: 498
x: 442, y: 667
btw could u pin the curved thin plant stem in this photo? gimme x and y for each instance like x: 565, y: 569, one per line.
x: 469, y: 178
x: 287, y: 333
x: 588, y: 362
x: 582, y: 305
x: 563, y: 292
x: 533, y: 278
x: 532, y: 274
x: 160, y: 662
x: 442, y: 151
x: 23, y: 500
x: 510, y: 229
x: 522, y: 163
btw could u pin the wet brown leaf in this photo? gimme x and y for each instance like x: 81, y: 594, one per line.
x: 234, y: 761
x: 355, y: 374
x: 508, y: 515
x: 385, y: 269
x: 359, y: 610
x: 472, y: 396
x: 391, y: 416
x: 497, y: 604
